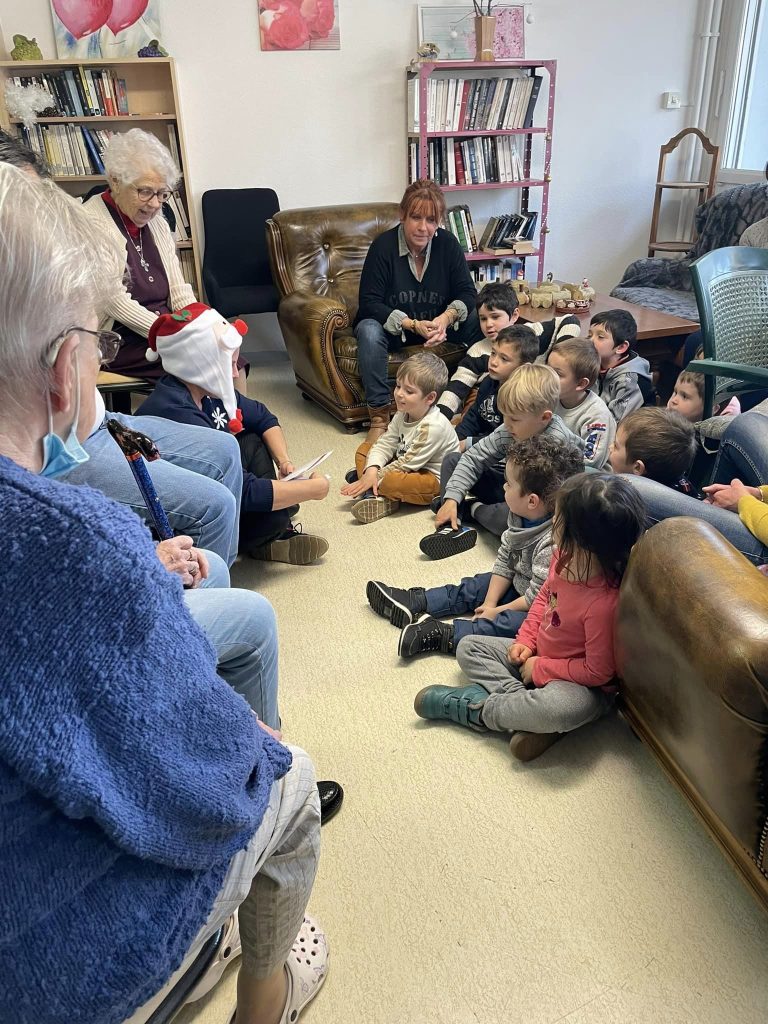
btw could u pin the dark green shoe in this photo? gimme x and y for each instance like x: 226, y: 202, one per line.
x: 460, y: 704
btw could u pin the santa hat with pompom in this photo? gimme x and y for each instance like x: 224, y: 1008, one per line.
x: 196, y: 345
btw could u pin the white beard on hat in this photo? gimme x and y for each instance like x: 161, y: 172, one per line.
x: 200, y: 353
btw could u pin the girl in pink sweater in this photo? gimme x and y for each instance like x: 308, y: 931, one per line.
x: 560, y: 672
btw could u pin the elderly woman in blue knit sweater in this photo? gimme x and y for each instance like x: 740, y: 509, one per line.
x: 141, y: 800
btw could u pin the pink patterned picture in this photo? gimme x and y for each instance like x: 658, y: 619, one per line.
x: 299, y: 24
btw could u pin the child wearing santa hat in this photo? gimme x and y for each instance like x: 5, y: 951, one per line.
x: 199, y: 349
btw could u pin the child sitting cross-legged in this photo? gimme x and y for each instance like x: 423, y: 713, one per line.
x: 497, y: 309
x: 560, y: 672
x: 511, y: 347
x: 656, y: 443
x: 536, y: 469
x: 526, y: 402
x: 577, y: 366
x: 624, y: 382
x: 404, y: 463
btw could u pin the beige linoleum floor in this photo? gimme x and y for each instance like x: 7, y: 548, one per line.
x: 456, y: 885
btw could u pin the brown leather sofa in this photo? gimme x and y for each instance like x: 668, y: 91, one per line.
x: 693, y: 655
x: 317, y: 256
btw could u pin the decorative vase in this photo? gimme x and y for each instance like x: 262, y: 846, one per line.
x: 485, y: 30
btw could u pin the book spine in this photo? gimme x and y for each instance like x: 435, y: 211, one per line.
x: 528, y: 117
x: 461, y: 178
x: 173, y: 144
x: 451, y: 161
x: 470, y: 226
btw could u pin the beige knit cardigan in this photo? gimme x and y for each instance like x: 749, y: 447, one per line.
x: 122, y: 308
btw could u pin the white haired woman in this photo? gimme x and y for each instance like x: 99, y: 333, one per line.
x: 142, y: 174
x: 140, y: 798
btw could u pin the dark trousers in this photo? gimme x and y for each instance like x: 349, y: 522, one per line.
x: 463, y: 598
x: 489, y: 488
x: 259, y: 528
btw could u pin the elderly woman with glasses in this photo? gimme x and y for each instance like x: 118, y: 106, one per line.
x: 141, y: 800
x: 141, y: 174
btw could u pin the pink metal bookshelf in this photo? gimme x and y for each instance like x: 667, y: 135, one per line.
x: 529, y: 181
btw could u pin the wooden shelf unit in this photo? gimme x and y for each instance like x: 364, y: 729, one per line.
x: 154, y: 104
x: 704, y: 189
x: 542, y: 163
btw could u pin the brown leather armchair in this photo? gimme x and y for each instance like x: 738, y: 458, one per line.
x: 693, y: 655
x: 317, y: 257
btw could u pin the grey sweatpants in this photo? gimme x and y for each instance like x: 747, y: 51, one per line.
x: 560, y: 706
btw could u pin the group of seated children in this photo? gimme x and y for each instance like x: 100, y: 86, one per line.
x: 542, y: 619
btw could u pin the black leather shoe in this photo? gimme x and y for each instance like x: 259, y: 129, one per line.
x: 351, y: 476
x: 331, y: 799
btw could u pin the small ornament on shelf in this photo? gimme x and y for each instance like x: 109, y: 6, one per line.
x: 25, y: 49
x: 28, y: 102
x: 154, y: 48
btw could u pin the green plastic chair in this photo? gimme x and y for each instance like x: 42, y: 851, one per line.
x: 731, y: 287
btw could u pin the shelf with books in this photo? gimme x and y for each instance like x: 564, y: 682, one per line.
x: 92, y: 99
x: 462, y: 119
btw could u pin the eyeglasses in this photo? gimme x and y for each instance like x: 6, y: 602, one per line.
x: 108, y: 343
x: 145, y: 194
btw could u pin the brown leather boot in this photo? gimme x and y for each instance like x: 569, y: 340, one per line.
x: 379, y: 423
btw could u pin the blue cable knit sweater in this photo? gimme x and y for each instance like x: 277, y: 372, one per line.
x: 130, y: 773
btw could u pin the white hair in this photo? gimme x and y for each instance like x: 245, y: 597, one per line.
x: 55, y: 274
x: 130, y: 154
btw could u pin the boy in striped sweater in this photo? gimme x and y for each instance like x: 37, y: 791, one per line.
x: 496, y: 309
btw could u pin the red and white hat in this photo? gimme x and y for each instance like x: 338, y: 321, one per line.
x: 196, y: 344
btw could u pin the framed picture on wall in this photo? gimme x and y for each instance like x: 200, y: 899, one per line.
x: 453, y: 29
x: 305, y: 25
x: 85, y: 29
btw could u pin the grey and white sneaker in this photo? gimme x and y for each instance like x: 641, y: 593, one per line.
x: 371, y: 509
x: 399, y: 606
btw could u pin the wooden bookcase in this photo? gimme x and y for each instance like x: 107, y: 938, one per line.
x: 153, y: 102
x: 535, y: 160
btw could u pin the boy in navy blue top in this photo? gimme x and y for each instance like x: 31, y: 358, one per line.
x: 199, y: 350
x: 510, y: 348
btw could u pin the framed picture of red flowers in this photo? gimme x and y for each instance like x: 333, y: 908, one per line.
x: 299, y: 24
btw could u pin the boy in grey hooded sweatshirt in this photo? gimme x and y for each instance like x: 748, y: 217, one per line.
x: 624, y: 382
x: 535, y: 470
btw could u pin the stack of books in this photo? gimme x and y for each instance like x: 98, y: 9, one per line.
x: 81, y: 92
x: 476, y: 161
x: 510, y: 233
x: 459, y: 222
x: 68, y: 149
x: 476, y: 104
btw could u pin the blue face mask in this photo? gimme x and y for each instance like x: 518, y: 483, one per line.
x: 60, y: 456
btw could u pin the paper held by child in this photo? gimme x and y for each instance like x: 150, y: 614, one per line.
x: 307, y: 470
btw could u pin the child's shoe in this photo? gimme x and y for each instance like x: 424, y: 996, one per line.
x: 435, y: 504
x: 525, y: 746
x: 399, y: 606
x: 460, y: 704
x: 369, y: 509
x: 447, y: 541
x: 292, y: 546
x: 351, y: 476
x: 426, y: 634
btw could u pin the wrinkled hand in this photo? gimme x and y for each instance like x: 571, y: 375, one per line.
x: 180, y: 557
x: 448, y: 513
x: 526, y: 669
x: 486, y: 611
x: 367, y: 482
x: 518, y: 654
x: 274, y: 733
x: 727, y: 495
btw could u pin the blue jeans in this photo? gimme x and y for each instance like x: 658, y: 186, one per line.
x: 743, y: 452
x: 199, y: 479
x: 241, y: 626
x: 374, y: 345
x: 465, y: 597
x: 663, y: 502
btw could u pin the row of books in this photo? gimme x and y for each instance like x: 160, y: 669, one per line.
x: 476, y: 161
x: 188, y: 266
x: 68, y: 149
x: 81, y: 92
x: 475, y: 104
x: 507, y: 229
x: 458, y: 220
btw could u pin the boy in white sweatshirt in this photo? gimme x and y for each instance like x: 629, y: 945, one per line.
x: 577, y: 366
x: 404, y: 464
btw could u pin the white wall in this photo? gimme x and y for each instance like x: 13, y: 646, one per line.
x: 328, y: 127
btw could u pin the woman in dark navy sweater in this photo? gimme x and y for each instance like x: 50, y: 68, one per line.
x: 415, y: 288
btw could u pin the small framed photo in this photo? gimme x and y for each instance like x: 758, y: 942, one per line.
x: 453, y: 29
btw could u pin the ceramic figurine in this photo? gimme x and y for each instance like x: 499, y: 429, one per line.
x: 25, y: 49
x: 152, y: 49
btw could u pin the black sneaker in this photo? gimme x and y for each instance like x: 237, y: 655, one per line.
x: 399, y: 606
x: 426, y: 634
x: 447, y: 541
x: 434, y: 505
x: 351, y: 476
